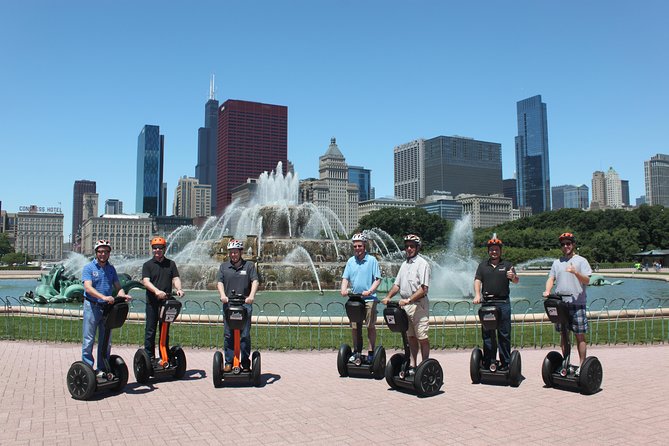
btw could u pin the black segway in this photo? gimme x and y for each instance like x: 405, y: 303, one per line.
x: 172, y: 361
x: 81, y: 380
x: 354, y: 363
x: 427, y: 378
x: 489, y: 315
x: 236, y: 315
x: 556, y: 370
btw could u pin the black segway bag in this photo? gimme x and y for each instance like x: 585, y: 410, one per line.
x: 355, y: 309
x: 396, y: 318
x: 170, y: 310
x: 489, y: 316
x: 557, y: 310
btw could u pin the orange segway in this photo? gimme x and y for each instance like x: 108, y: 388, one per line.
x: 172, y: 361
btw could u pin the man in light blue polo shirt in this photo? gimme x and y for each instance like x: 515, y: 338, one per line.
x: 362, y: 275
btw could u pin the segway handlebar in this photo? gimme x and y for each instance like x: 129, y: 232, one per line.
x: 355, y: 296
x: 558, y: 296
x: 493, y: 299
x: 236, y: 299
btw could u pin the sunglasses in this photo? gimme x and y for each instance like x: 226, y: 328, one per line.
x: 102, y: 251
x: 566, y: 244
x: 158, y: 247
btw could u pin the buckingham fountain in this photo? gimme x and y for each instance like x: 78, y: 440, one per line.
x: 296, y: 246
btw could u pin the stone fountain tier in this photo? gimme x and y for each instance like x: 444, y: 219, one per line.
x: 277, y: 250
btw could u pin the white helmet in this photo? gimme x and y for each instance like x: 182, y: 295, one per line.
x: 100, y: 243
x: 412, y: 238
x: 359, y: 237
x: 235, y: 244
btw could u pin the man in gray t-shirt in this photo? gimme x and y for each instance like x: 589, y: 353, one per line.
x: 571, y: 274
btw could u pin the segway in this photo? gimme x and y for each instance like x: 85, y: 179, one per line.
x: 489, y: 315
x: 236, y: 316
x: 81, y: 379
x: 556, y: 370
x: 355, y: 363
x: 172, y: 361
x: 427, y: 378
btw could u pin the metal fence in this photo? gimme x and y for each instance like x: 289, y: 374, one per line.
x: 310, y: 325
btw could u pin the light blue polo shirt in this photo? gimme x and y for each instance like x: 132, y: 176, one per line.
x: 361, y: 274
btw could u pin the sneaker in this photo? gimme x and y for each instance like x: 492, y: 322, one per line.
x: 503, y: 368
x: 100, y: 375
x: 227, y: 368
x: 246, y: 368
x: 370, y: 357
x: 577, y: 371
x: 412, y: 372
x: 352, y: 358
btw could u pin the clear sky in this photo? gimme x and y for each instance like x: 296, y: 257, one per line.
x: 79, y: 79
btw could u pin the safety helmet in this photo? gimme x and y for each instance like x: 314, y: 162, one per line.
x: 567, y: 236
x: 359, y: 237
x: 235, y: 244
x: 494, y: 242
x: 412, y: 238
x: 158, y: 241
x: 100, y: 243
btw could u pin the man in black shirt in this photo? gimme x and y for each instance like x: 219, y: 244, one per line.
x: 159, y: 276
x: 492, y: 278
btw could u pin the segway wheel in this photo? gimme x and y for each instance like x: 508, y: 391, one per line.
x: 120, y: 371
x: 515, y: 369
x: 379, y: 363
x: 393, y: 369
x: 429, y: 377
x: 590, y: 378
x: 342, y: 360
x: 217, y: 370
x: 141, y: 365
x: 475, y: 365
x: 180, y: 361
x: 255, y: 367
x: 81, y: 381
x: 551, y: 363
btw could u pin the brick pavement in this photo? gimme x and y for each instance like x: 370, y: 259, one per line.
x: 304, y: 401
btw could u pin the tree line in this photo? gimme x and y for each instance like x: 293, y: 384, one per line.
x: 606, y: 236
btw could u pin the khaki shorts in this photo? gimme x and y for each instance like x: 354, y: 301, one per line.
x: 370, y: 314
x: 418, y: 318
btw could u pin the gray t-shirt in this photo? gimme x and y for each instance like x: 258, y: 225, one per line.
x: 567, y: 283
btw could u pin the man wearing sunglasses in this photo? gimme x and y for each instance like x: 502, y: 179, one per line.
x: 159, y: 276
x: 571, y: 275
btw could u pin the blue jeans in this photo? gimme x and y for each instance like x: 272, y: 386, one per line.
x: 94, y: 321
x: 244, y: 341
x: 503, y: 335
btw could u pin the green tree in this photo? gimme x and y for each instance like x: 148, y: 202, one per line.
x: 5, y: 246
x: 398, y: 222
x: 16, y: 257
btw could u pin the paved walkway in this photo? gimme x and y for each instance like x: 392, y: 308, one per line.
x: 304, y: 401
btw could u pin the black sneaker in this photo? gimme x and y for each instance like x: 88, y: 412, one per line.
x: 503, y: 368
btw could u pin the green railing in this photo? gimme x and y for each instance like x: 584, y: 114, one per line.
x: 453, y: 325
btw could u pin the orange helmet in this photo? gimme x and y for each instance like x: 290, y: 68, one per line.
x: 158, y: 241
x: 494, y: 242
x: 567, y: 236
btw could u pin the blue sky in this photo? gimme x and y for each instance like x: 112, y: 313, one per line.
x: 79, y: 79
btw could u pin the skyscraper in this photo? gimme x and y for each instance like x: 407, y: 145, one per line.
x: 363, y: 178
x: 150, y: 153
x: 409, y: 170
x: 598, y: 190
x: 462, y: 165
x: 113, y: 206
x: 570, y: 196
x: 656, y: 173
x: 207, y: 136
x: 80, y: 188
x: 510, y: 190
x: 252, y: 139
x: 192, y: 199
x: 532, y: 155
x: 614, y: 193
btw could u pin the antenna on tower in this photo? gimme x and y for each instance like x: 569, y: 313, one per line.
x: 212, y: 88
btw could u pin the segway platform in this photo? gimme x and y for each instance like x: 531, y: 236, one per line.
x: 172, y: 360
x: 557, y: 371
x: 489, y: 315
x: 81, y: 379
x: 236, y: 316
x: 352, y: 362
x: 424, y: 380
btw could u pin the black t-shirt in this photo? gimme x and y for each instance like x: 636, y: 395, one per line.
x: 160, y: 274
x: 493, y: 278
